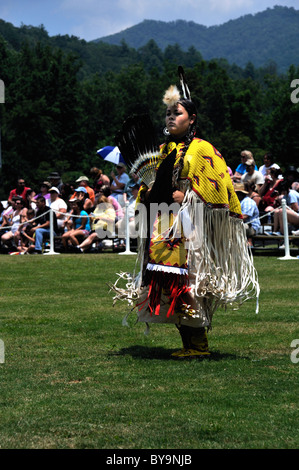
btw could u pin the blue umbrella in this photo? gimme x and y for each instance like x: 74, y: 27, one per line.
x: 111, y: 154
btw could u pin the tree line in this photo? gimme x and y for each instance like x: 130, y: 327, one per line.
x: 55, y: 118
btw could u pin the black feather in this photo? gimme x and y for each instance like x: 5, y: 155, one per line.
x: 185, y: 88
x: 138, y: 144
x: 137, y: 137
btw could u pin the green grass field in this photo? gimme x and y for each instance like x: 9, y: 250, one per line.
x: 75, y: 378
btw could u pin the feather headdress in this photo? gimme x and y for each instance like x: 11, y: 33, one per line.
x: 138, y: 145
x: 171, y: 96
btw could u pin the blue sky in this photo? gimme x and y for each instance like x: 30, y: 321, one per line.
x: 92, y: 19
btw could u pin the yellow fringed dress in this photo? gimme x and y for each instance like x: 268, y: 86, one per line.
x: 197, y: 257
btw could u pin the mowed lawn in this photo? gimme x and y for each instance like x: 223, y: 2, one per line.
x: 75, y: 378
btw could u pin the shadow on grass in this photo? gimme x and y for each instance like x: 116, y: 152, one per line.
x: 146, y: 352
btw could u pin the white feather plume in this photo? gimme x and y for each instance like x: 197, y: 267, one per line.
x: 171, y: 96
x: 145, y: 167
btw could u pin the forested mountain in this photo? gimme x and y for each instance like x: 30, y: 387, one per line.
x: 66, y: 98
x: 273, y: 33
x: 261, y: 39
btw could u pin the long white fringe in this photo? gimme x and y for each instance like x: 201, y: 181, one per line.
x: 218, y: 259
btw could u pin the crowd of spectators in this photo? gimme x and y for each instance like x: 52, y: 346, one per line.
x: 261, y: 190
x: 93, y: 206
x: 79, y: 211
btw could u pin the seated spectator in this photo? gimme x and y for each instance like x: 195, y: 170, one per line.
x: 119, y: 213
x: 292, y: 175
x: 26, y: 237
x: 230, y: 172
x: 252, y: 193
x: 99, y: 179
x: 81, y: 195
x: 292, y: 209
x: 30, y: 201
x: 19, y: 215
x: 130, y: 184
x: 251, y: 175
x: 118, y: 182
x: 41, y: 226
x: 269, y: 190
x: 1, y: 213
x: 19, y: 191
x: 55, y: 180
x: 7, y: 214
x: 250, y: 212
x: 66, y: 191
x: 79, y: 227
x: 83, y: 182
x: 241, y: 168
x: 103, y: 223
x: 121, y: 224
x: 58, y: 205
x: 6, y: 225
x: 44, y: 191
x: 268, y: 164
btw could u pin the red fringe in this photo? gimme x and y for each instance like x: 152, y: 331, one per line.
x: 176, y: 284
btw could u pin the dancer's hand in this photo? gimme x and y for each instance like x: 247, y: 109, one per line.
x: 178, y: 196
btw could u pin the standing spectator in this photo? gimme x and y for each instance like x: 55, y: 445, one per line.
x: 55, y: 180
x: 20, y: 190
x: 119, y: 182
x: 41, y: 227
x: 251, y: 175
x: 241, y: 168
x: 83, y: 181
x: 58, y: 205
x: 250, y: 212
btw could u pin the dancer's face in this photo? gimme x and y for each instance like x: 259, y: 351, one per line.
x: 178, y: 120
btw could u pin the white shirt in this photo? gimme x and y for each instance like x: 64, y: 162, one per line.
x: 57, y: 205
x: 256, y: 178
x: 266, y: 169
